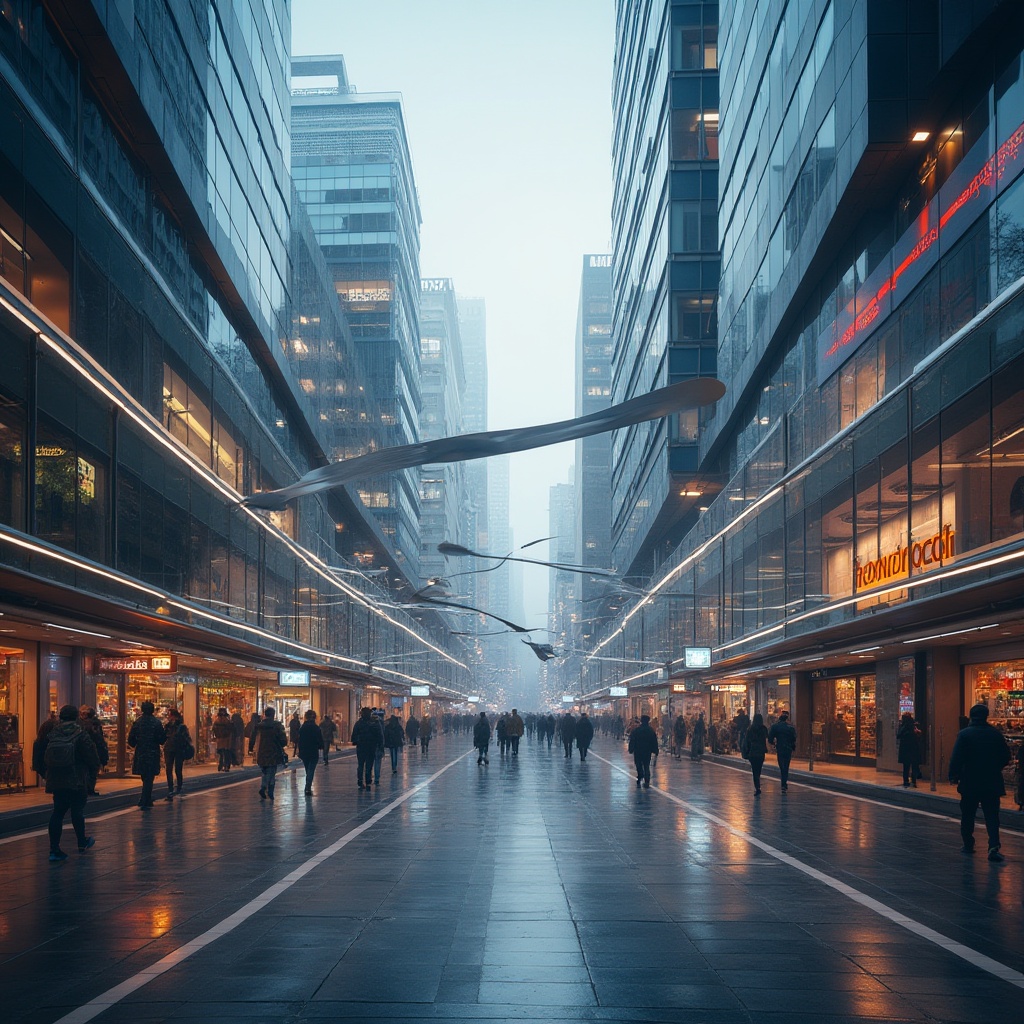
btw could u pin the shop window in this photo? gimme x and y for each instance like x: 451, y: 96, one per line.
x: 1008, y: 454
x: 1000, y: 687
x: 1009, y: 229
x: 928, y: 507
x: 837, y: 542
x: 966, y: 470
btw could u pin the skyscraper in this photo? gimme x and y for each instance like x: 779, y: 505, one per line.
x: 353, y: 171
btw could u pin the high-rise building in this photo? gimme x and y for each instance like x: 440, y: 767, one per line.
x: 666, y: 261
x: 353, y: 172
x: 442, y: 385
x: 168, y: 327
x: 592, y: 526
x: 863, y: 558
x: 563, y: 585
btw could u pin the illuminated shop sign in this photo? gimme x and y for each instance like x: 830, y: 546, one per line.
x: 473, y: 698
x: 697, y: 657
x: 729, y: 687
x: 618, y: 691
x: 922, y: 555
x: 568, y: 698
x: 420, y: 691
x: 679, y: 687
x: 293, y: 677
x: 139, y: 663
x: 972, y: 184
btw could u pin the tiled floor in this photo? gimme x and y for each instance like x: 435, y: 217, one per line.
x: 530, y: 889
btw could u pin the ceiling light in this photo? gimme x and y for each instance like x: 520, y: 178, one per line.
x: 954, y: 632
x: 861, y: 650
x: 920, y: 136
x: 71, y: 629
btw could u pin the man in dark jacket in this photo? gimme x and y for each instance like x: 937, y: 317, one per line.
x: 394, y: 739
x: 147, y: 737
x: 567, y: 732
x: 67, y: 758
x: 584, y: 734
x: 643, y: 745
x: 269, y: 741
x: 482, y: 738
x: 782, y: 736
x: 311, y: 743
x: 976, y: 765
x: 367, y: 736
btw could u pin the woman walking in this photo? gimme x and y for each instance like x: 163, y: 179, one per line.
x: 482, y: 738
x: 311, y: 742
x: 755, y: 748
x: 908, y: 739
x: 178, y: 749
x: 224, y: 738
x: 394, y: 739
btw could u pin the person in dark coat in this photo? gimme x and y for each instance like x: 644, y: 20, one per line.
x: 367, y: 735
x: 394, y: 739
x: 551, y: 726
x: 697, y: 738
x: 311, y: 742
x: 976, y: 766
x: 412, y: 730
x: 678, y: 736
x: 500, y: 732
x: 782, y: 736
x: 250, y: 729
x: 378, y: 758
x: 71, y: 762
x: 237, y: 738
x: 269, y: 741
x: 146, y: 737
x: 643, y: 745
x: 755, y: 748
x: 91, y: 724
x: 908, y: 740
x: 224, y: 740
x: 426, y: 733
x: 740, y: 725
x: 482, y: 738
x: 584, y: 735
x: 328, y: 729
x: 176, y: 750
x: 294, y: 725
x: 514, y: 729
x: 567, y: 732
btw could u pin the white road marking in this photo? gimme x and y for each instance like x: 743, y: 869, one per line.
x: 972, y: 956
x: 87, y: 1011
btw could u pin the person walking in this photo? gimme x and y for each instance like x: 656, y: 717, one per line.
x: 178, y: 748
x: 412, y: 730
x: 697, y: 738
x: 378, y: 757
x: 366, y: 737
x: 294, y: 725
x: 755, y: 748
x: 237, y: 738
x: 146, y: 737
x: 250, y: 730
x: 426, y: 732
x: 980, y: 753
x: 584, y: 734
x: 678, y: 736
x: 482, y: 738
x: 270, y: 742
x: 514, y: 730
x: 92, y: 725
x: 908, y: 749
x: 567, y: 732
x: 551, y: 726
x: 311, y: 742
x: 739, y: 726
x: 643, y: 745
x: 782, y: 736
x: 66, y: 756
x: 224, y: 738
x: 394, y: 739
x: 328, y: 729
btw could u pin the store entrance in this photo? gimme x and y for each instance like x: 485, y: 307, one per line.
x: 844, y: 720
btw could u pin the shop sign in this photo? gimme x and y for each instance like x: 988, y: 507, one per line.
x: 697, y: 657
x: 729, y: 687
x: 293, y: 677
x: 568, y: 698
x: 679, y: 687
x: 420, y: 691
x: 896, y: 565
x: 397, y: 702
x: 153, y: 663
x: 473, y: 698
x: 618, y: 691
x: 1015, y: 693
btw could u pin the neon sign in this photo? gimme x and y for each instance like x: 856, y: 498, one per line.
x: 921, y: 555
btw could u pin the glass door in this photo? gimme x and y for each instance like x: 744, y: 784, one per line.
x: 867, y: 718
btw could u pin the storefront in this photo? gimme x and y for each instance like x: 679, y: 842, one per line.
x: 1000, y: 687
x: 726, y: 701
x: 844, y: 717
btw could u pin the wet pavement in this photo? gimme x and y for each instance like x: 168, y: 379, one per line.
x: 530, y: 889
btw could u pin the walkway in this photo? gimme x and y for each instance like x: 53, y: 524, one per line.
x: 530, y: 889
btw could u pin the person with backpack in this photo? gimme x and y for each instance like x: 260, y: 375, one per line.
x: 146, y: 737
x: 66, y: 756
x: 270, y: 742
x: 178, y: 749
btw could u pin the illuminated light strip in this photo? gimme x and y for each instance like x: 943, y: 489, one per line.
x: 415, y: 679
x: 211, y: 478
x: 639, y: 675
x: 953, y: 632
x: 674, y: 572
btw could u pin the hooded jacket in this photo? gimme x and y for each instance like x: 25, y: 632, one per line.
x: 269, y: 740
x: 76, y: 776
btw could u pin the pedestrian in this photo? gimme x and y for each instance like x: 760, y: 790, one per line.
x: 224, y: 738
x: 178, y: 748
x: 482, y: 738
x: 782, y: 736
x: 328, y: 729
x: 976, y: 766
x: 146, y: 737
x: 412, y: 730
x: 755, y: 748
x: 378, y: 757
x: 394, y: 739
x: 92, y: 725
x: 697, y: 738
x: 366, y: 737
x: 294, y: 725
x: 501, y: 732
x: 567, y: 732
x: 426, y: 732
x: 678, y: 736
x: 237, y: 738
x: 908, y: 740
x: 643, y: 745
x: 250, y: 730
x: 740, y: 725
x: 66, y: 757
x: 584, y: 734
x: 514, y: 729
x: 270, y: 742
x: 551, y: 726
x: 311, y: 742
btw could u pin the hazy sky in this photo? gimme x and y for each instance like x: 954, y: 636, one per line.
x: 508, y: 110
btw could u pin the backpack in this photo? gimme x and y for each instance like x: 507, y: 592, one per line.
x: 60, y: 749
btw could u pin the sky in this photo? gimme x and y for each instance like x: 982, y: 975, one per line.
x: 508, y: 112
